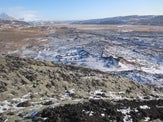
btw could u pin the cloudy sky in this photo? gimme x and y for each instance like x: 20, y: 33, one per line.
x: 79, y: 9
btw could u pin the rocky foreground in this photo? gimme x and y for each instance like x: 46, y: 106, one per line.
x: 33, y: 90
x: 102, y: 111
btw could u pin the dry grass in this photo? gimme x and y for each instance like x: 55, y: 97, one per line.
x: 143, y: 28
x: 14, y: 39
x: 38, y: 76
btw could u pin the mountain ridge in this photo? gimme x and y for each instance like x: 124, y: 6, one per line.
x: 127, y: 20
x: 156, y: 20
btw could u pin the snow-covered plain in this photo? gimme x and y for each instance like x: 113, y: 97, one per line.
x: 135, y: 55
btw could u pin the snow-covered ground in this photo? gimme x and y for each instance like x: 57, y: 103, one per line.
x: 138, y: 56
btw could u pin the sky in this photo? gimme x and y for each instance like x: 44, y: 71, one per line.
x: 78, y: 9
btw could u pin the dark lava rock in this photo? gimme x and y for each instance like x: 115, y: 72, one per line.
x: 2, y: 117
x: 31, y: 115
x: 48, y: 102
x: 3, y: 86
x: 24, y: 104
x: 10, y: 113
x: 103, y: 111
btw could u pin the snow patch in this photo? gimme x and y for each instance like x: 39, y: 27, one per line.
x: 144, y: 107
x: 147, y: 119
x: 126, y: 113
x: 99, y: 93
x: 102, y: 114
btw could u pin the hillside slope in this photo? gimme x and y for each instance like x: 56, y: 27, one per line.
x: 28, y: 85
x: 22, y: 76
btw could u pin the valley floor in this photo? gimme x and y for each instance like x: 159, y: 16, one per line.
x: 81, y: 73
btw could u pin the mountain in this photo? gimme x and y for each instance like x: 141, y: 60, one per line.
x: 10, y: 21
x: 4, y: 16
x: 126, y: 20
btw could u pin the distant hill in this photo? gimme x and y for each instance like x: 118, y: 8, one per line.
x: 6, y: 19
x: 126, y: 20
x: 13, y: 22
x: 4, y: 16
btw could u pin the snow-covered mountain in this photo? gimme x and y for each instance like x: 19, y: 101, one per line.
x: 4, y: 16
x: 7, y: 21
